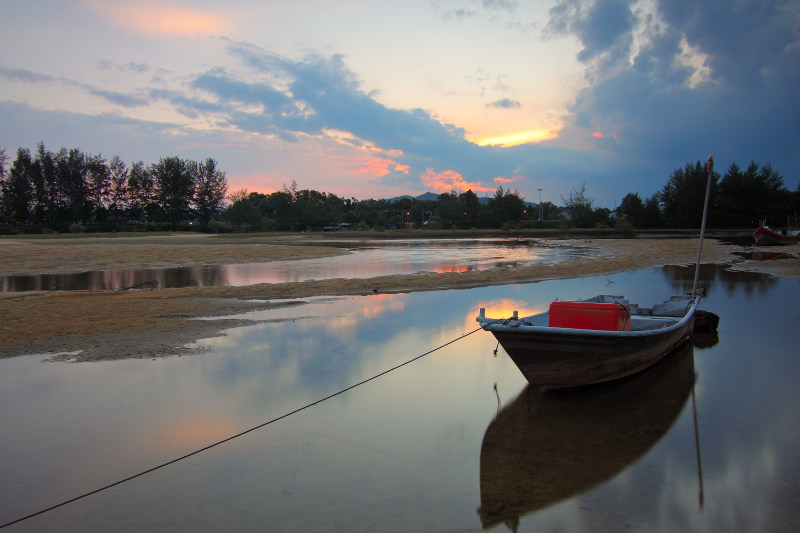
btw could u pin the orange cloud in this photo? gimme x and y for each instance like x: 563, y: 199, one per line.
x: 449, y: 180
x: 599, y: 135
x: 158, y: 19
x: 377, y: 166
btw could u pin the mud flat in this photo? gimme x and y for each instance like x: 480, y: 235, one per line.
x: 153, y: 323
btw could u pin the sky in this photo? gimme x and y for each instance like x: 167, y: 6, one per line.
x: 376, y: 99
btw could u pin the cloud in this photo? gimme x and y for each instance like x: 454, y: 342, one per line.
x: 130, y: 66
x: 601, y: 26
x: 662, y: 114
x: 162, y: 19
x: 449, y: 180
x: 24, y: 75
x: 666, y: 83
x: 124, y: 100
x: 505, y: 103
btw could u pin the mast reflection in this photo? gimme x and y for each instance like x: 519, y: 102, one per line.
x: 544, y: 448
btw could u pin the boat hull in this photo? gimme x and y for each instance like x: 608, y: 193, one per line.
x: 764, y: 235
x: 559, y: 358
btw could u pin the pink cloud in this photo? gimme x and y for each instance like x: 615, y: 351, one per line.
x: 449, y: 180
x: 159, y: 19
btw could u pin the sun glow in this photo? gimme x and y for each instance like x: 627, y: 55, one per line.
x: 524, y: 137
x: 505, y: 308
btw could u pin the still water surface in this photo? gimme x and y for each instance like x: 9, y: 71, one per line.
x: 368, y: 259
x: 452, y: 442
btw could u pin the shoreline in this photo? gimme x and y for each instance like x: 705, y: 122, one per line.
x: 142, y: 323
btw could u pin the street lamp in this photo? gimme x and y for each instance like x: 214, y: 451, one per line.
x: 540, y: 204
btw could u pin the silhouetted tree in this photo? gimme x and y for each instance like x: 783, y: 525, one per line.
x: 210, y: 189
x: 175, y: 181
x: 683, y: 197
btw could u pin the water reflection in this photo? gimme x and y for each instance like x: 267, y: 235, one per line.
x: 369, y: 259
x: 716, y: 277
x: 403, y: 453
x: 545, y: 448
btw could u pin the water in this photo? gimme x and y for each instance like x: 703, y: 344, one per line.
x: 406, y: 452
x: 369, y: 259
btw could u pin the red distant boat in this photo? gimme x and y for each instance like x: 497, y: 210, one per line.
x: 765, y: 235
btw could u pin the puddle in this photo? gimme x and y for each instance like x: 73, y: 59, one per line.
x: 369, y: 259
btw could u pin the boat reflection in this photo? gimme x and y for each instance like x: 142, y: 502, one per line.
x: 544, y: 448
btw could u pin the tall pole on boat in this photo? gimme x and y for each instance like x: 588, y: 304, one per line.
x: 710, y: 171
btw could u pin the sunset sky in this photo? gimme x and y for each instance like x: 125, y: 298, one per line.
x: 374, y: 99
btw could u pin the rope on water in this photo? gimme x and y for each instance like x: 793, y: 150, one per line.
x: 245, y: 432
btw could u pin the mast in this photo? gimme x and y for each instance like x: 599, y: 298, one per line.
x: 710, y: 171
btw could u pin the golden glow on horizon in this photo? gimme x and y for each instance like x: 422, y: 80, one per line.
x: 515, y: 139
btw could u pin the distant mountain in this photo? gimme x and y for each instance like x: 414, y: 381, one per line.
x: 426, y: 196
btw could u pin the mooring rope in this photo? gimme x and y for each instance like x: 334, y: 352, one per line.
x: 245, y: 432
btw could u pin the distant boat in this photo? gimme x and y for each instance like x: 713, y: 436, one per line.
x: 592, y: 341
x: 766, y: 235
x: 546, y: 448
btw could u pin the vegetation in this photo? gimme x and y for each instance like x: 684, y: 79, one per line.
x: 69, y: 191
x: 73, y: 192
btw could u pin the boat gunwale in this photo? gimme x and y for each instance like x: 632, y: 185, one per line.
x: 515, y: 325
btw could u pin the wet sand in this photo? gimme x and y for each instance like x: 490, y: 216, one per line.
x: 153, y: 323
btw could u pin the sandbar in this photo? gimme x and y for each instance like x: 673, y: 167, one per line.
x: 144, y: 323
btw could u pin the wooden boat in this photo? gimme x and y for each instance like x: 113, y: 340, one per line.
x: 592, y: 341
x: 542, y: 449
x: 766, y: 235
x: 600, y: 339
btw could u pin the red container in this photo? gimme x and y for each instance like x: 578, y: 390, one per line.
x: 590, y: 315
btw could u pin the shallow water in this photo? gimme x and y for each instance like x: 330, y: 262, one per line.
x: 368, y: 259
x: 408, y: 451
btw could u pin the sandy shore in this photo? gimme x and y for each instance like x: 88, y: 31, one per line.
x: 150, y: 323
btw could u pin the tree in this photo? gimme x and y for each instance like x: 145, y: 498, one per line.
x: 118, y: 188
x: 140, y: 192
x: 98, y: 181
x: 243, y: 213
x: 47, y: 195
x: 210, y: 189
x: 73, y: 186
x: 506, y: 206
x: 747, y: 197
x: 652, y: 213
x: 683, y: 197
x: 632, y: 209
x: 17, y: 193
x: 579, y: 206
x: 174, y: 187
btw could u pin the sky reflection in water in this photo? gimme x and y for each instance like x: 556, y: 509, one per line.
x: 403, y: 452
x: 368, y: 259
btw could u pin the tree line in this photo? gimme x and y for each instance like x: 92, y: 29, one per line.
x: 293, y: 209
x: 738, y: 199
x: 68, y: 190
